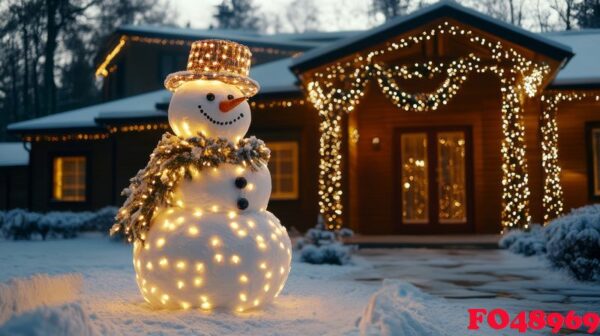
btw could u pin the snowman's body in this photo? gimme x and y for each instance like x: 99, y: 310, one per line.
x: 218, y: 247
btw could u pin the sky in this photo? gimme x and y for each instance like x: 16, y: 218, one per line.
x: 333, y: 14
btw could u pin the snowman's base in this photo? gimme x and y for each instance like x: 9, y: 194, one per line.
x: 212, y: 261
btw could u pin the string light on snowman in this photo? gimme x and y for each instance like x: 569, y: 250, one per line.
x: 197, y: 213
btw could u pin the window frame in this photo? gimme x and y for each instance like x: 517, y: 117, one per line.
x: 592, y: 176
x: 87, y: 193
x: 295, y: 194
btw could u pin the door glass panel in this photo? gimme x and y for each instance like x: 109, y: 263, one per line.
x: 451, y: 177
x: 415, y: 202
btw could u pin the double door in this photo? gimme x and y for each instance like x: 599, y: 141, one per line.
x: 434, y: 180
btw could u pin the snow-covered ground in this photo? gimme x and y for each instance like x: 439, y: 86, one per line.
x: 317, y: 300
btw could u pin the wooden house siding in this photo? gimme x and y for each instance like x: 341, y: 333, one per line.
x: 572, y: 118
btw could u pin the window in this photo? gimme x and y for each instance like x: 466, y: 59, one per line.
x: 68, y: 178
x: 284, y: 170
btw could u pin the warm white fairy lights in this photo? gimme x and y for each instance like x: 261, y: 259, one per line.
x: 553, y: 193
x: 337, y: 90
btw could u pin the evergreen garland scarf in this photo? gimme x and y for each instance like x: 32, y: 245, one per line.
x: 173, y: 159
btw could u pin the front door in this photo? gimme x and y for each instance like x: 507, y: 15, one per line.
x: 434, y: 172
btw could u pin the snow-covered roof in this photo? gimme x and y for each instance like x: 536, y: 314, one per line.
x: 450, y: 9
x: 245, y: 37
x: 13, y: 154
x: 274, y: 77
x: 86, y: 117
x: 584, y: 67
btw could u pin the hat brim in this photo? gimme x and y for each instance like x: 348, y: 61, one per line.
x: 248, y: 86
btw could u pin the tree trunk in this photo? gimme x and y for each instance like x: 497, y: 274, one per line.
x: 26, y: 105
x: 50, y: 49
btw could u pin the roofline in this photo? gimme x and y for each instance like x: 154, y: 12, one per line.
x: 56, y: 130
x: 443, y: 9
x: 256, y: 41
x: 574, y: 86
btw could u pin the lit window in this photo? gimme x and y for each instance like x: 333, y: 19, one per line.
x: 284, y: 170
x: 68, y: 178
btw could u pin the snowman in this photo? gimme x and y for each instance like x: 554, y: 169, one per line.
x: 214, y: 244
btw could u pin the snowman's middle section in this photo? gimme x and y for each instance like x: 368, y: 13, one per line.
x: 226, y: 188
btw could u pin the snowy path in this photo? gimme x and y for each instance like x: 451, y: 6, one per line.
x: 317, y: 300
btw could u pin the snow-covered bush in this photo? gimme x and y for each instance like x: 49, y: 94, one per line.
x: 570, y: 242
x: 573, y: 242
x: 528, y: 243
x: 102, y: 220
x: 20, y: 224
x: 321, y: 246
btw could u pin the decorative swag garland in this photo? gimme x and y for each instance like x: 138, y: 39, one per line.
x: 337, y: 89
x: 457, y: 72
x: 173, y: 159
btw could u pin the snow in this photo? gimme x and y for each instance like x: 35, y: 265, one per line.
x: 275, y: 76
x: 317, y: 300
x: 13, y: 154
x: 584, y: 67
x: 22, y: 294
x: 69, y: 319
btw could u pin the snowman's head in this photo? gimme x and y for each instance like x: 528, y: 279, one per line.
x: 211, y: 107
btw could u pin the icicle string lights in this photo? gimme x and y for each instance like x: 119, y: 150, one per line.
x: 553, y: 193
x: 338, y: 89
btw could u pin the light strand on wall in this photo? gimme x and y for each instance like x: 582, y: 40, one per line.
x: 338, y: 88
x: 553, y: 194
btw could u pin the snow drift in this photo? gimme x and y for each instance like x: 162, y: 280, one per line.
x: 69, y: 319
x: 20, y: 295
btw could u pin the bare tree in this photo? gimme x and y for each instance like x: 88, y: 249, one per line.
x: 510, y: 11
x: 566, y: 11
x: 238, y: 14
x: 303, y: 15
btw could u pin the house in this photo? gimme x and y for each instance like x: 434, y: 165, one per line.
x: 442, y: 121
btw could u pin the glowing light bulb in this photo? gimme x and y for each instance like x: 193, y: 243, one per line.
x: 263, y: 265
x: 180, y: 265
x: 215, y: 208
x: 267, y: 287
x: 268, y: 275
x: 193, y: 231
x: 243, y: 278
x: 215, y: 241
x: 234, y: 225
x: 180, y: 284
x: 160, y: 242
x: 242, y: 233
x: 199, y: 267
x: 163, y: 262
x: 197, y: 213
x: 197, y: 281
x: 231, y: 214
x: 218, y: 258
x: 235, y: 259
x: 149, y: 266
x: 243, y: 297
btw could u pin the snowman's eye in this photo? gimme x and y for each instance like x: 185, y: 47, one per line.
x: 230, y: 97
x: 210, y: 97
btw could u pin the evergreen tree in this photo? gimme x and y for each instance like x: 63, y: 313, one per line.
x: 237, y: 14
x: 588, y: 14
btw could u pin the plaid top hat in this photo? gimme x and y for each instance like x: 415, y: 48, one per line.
x: 221, y: 60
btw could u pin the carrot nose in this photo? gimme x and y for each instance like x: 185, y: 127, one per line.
x: 227, y: 105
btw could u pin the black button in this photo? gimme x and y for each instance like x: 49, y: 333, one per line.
x: 240, y: 182
x: 242, y: 203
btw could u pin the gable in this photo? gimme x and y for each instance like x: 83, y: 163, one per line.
x: 442, y: 10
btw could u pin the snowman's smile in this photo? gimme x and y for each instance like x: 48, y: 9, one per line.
x: 217, y: 122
